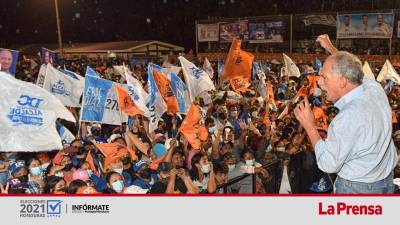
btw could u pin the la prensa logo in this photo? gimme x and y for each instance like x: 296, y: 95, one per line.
x: 26, y: 111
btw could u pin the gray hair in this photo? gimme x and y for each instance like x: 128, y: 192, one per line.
x: 347, y: 65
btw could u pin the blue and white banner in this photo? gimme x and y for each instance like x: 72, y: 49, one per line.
x: 27, y: 117
x: 181, y: 93
x: 197, y: 80
x: 8, y: 61
x: 220, y: 67
x: 66, y: 136
x: 156, y: 102
x: 139, y: 96
x: 100, y: 102
x: 65, y: 85
x: 208, y: 68
x: 366, y: 25
x: 41, y: 75
x: 47, y: 56
x: 91, y: 72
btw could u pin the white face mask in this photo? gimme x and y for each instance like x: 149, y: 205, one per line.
x: 269, y: 148
x: 212, y: 130
x: 250, y: 162
x: 205, y: 168
x: 231, y: 167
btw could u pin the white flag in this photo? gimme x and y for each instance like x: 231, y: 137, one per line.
x: 291, y: 69
x: 139, y: 96
x: 65, y: 85
x: 367, y: 71
x: 28, y: 116
x: 196, y: 79
x: 388, y: 73
x: 41, y: 75
x: 208, y: 68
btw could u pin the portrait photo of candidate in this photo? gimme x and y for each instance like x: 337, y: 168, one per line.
x: 8, y: 60
x: 47, y: 56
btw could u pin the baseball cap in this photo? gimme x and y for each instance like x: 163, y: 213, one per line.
x: 16, y: 167
x: 139, y: 165
x: 164, y: 167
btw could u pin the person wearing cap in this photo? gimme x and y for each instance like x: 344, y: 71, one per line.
x: 19, y: 181
x: 173, y: 181
x: 145, y: 176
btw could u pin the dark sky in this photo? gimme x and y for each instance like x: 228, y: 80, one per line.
x: 33, y: 21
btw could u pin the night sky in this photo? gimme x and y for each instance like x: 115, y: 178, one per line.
x: 33, y: 21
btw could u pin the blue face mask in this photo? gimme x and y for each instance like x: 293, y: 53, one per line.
x: 118, y: 186
x: 36, y: 171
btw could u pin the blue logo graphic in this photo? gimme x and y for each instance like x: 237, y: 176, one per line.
x: 59, y: 88
x: 26, y: 112
x: 133, y: 93
x: 53, y: 207
x: 196, y: 72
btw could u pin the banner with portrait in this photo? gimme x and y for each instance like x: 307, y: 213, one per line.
x: 366, y: 25
x: 266, y: 32
x: 8, y: 60
x: 238, y: 29
x: 47, y: 56
x: 207, y: 32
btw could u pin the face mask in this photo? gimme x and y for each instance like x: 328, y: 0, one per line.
x: 23, y: 178
x: 68, y: 167
x: 45, y: 165
x: 231, y: 167
x: 120, y: 170
x: 280, y: 149
x: 205, y: 168
x: 250, y: 162
x: 118, y: 186
x: 211, y: 130
x: 234, y: 113
x: 152, y: 181
x: 35, y: 171
x: 269, y: 148
x: 145, y: 174
x: 59, y: 174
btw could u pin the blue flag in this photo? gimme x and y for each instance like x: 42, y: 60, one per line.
x: 256, y: 68
x: 181, y: 92
x: 66, y: 136
x: 265, y: 68
x: 94, y: 98
x: 318, y: 65
x: 91, y: 72
x: 220, y: 68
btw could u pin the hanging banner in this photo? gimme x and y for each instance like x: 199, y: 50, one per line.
x: 268, y: 32
x: 228, y: 31
x: 367, y: 25
x: 207, y: 32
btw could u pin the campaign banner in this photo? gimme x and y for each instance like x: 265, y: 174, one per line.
x: 207, y: 32
x: 47, y: 56
x: 268, y: 32
x: 367, y: 25
x: 327, y: 20
x: 238, y: 29
x: 398, y: 28
x: 8, y: 61
x: 100, y: 103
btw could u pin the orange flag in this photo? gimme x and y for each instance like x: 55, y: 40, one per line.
x: 394, y: 117
x: 239, y: 84
x: 271, y: 97
x: 321, y: 119
x: 89, y: 159
x: 154, y: 165
x: 126, y: 103
x: 112, y: 148
x: 190, y: 126
x: 238, y: 63
x: 164, y: 86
